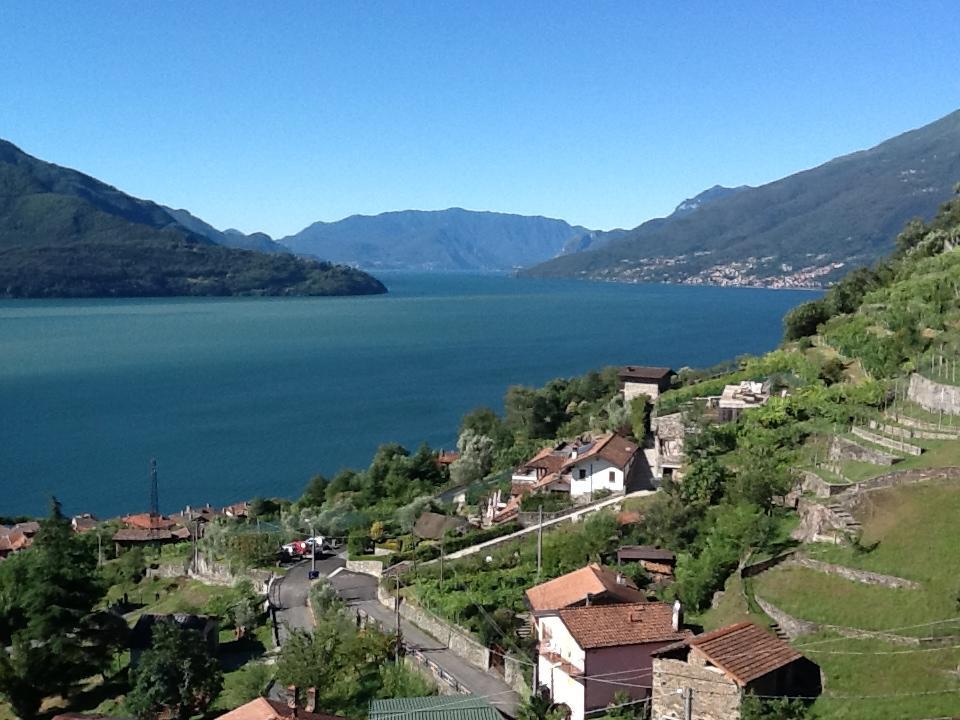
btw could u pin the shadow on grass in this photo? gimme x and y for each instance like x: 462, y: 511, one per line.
x: 236, y: 653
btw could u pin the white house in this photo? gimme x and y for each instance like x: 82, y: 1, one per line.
x: 587, y: 654
x: 602, y: 464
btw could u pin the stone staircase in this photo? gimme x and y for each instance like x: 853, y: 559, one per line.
x: 778, y: 631
x: 849, y: 522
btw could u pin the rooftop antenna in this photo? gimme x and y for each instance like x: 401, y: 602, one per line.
x: 154, y: 499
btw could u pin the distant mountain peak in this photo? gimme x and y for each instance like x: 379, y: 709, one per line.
x: 705, y: 198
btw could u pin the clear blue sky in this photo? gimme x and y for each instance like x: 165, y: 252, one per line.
x: 268, y: 116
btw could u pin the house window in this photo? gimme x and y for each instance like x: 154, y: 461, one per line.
x: 612, y: 476
x: 583, y: 474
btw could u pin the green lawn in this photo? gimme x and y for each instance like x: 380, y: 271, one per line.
x: 937, y: 453
x: 874, y: 674
x: 916, y: 536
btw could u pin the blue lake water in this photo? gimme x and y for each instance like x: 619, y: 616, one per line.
x: 242, y: 397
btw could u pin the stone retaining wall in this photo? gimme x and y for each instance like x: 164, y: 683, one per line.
x: 211, y: 572
x: 812, y: 483
x: 366, y: 567
x: 843, y: 449
x: 793, y: 627
x: 934, y: 396
x: 860, y: 576
x: 853, y: 498
x: 933, y: 427
x: 909, y: 433
x: 748, y: 571
x: 886, y: 442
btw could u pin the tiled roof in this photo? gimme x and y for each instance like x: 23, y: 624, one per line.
x: 141, y: 535
x: 597, y: 626
x: 744, y: 651
x: 640, y: 372
x: 573, y: 588
x: 13, y: 541
x: 614, y: 448
x: 149, y: 522
x: 266, y: 709
x: 433, y: 526
x: 550, y: 458
x: 440, y: 707
x: 29, y: 528
x: 645, y: 552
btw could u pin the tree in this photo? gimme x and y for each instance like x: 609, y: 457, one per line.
x: 476, y: 458
x: 804, y: 320
x: 539, y: 707
x: 177, y: 677
x: 314, y: 493
x: 639, y: 413
x: 47, y: 617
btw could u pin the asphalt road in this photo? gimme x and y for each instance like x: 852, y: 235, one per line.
x: 289, y: 595
x: 360, y: 591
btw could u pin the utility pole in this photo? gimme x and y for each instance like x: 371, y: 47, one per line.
x: 396, y: 605
x: 441, y: 563
x: 539, y: 539
x: 99, y: 549
x: 313, y: 552
x: 688, y: 703
x: 196, y: 548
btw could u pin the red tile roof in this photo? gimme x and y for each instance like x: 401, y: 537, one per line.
x: 266, y: 709
x: 744, y: 651
x: 573, y: 588
x: 550, y: 459
x: 142, y: 535
x: 14, y: 541
x: 597, y: 626
x: 148, y: 521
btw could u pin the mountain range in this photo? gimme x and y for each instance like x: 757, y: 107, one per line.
x: 452, y: 239
x: 801, y: 231
x: 66, y: 234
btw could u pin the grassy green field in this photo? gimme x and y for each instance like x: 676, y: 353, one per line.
x: 911, y: 532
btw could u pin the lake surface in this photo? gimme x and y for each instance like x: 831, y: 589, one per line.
x: 243, y: 397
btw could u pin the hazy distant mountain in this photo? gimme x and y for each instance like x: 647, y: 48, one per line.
x: 453, y: 239
x: 261, y: 242
x: 799, y: 231
x: 66, y: 234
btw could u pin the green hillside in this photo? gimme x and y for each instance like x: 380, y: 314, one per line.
x: 65, y: 234
x: 844, y: 211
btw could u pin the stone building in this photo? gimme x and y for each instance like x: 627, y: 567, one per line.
x: 636, y: 380
x: 707, y: 676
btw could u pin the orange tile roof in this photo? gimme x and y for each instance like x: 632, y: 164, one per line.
x: 146, y: 521
x: 265, y: 709
x: 597, y: 626
x: 14, y: 541
x: 744, y: 651
x: 550, y: 458
x: 573, y: 588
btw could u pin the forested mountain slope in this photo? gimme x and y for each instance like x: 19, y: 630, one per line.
x: 801, y: 231
x: 66, y: 234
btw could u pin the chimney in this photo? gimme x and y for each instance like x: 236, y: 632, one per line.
x: 677, y: 616
x: 589, y: 600
x: 293, y: 698
x: 621, y: 580
x: 310, y: 705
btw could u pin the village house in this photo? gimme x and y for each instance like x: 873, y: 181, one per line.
x: 590, y: 585
x: 636, y: 380
x: 659, y: 563
x: 587, y: 654
x: 18, y: 537
x: 446, y: 458
x: 240, y: 510
x: 263, y: 708
x: 706, y: 677
x: 83, y: 523
x: 580, y: 468
x: 434, y: 526
x: 744, y: 396
x: 149, y: 530
x: 668, y: 435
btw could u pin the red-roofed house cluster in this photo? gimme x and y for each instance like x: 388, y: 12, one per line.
x: 599, y: 636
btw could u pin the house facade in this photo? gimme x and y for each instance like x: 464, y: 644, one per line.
x: 588, y: 654
x: 637, y: 380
